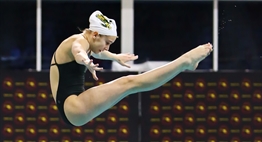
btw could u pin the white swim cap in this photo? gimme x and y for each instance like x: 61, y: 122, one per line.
x: 102, y: 24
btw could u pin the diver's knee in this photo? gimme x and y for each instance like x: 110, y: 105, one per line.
x: 129, y: 79
x: 131, y: 82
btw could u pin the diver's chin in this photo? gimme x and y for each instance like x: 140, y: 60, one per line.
x: 97, y: 51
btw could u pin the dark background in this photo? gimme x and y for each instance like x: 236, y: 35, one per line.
x: 163, y: 30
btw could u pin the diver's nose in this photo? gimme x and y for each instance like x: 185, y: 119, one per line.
x: 106, y: 48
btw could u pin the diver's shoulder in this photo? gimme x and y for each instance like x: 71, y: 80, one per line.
x: 73, y: 38
x: 76, y: 36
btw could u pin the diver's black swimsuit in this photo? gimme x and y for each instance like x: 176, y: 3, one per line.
x: 71, y: 81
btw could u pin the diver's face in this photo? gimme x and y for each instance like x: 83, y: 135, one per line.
x: 102, y: 42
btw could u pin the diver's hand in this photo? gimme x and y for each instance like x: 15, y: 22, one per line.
x: 123, y: 58
x: 92, y: 68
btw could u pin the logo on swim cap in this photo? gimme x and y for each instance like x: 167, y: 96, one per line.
x: 106, y: 22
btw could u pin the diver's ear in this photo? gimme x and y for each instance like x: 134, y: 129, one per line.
x: 95, y: 34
